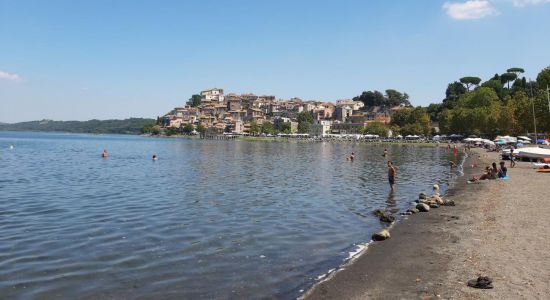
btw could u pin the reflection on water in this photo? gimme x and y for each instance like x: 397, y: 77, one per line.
x: 208, y: 220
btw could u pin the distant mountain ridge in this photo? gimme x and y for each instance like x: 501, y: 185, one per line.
x: 126, y: 126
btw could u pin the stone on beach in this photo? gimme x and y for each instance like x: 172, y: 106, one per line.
x: 448, y: 203
x: 381, y: 235
x: 434, y: 205
x: 423, y: 207
x: 436, y: 199
x: 413, y: 210
x: 422, y: 196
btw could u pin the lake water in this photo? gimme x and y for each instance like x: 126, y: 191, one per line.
x: 208, y: 220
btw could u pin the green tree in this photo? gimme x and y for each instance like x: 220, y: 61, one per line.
x: 506, y: 78
x: 155, y: 130
x: 543, y: 78
x: 394, y: 98
x: 516, y: 71
x: 286, y: 127
x: 468, y: 81
x: 371, y: 98
x: 496, y: 85
x: 147, y: 128
x: 187, y: 128
x: 452, y: 94
x: 194, y: 101
x: 305, y: 119
x: 254, y: 128
x: 169, y: 131
x: 267, y: 128
x: 377, y: 128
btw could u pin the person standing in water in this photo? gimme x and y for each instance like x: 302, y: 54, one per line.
x: 385, y: 153
x: 104, y: 153
x: 391, y: 175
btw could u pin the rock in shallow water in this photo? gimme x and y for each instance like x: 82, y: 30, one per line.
x: 423, y: 207
x: 381, y: 235
x: 422, y: 196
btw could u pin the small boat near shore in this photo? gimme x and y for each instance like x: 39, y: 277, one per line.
x: 535, y: 153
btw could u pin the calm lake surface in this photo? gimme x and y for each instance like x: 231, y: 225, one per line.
x: 208, y: 220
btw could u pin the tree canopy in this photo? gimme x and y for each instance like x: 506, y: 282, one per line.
x: 390, y: 98
x: 468, y: 81
x: 194, y: 101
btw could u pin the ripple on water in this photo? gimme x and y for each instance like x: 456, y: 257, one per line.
x: 209, y: 220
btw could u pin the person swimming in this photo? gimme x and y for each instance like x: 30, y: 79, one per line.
x: 352, y: 156
x: 104, y: 153
x: 155, y: 157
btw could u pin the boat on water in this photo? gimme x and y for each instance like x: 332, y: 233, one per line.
x: 533, y: 153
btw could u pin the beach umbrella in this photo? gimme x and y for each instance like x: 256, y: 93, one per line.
x: 524, y: 138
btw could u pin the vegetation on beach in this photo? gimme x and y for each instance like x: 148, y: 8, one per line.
x: 503, y: 104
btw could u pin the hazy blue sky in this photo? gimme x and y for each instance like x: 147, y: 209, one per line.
x: 77, y: 60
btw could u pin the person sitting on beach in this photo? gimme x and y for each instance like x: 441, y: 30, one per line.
x: 485, y: 176
x: 104, y: 153
x: 502, y: 171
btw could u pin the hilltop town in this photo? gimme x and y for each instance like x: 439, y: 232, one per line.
x: 214, y: 112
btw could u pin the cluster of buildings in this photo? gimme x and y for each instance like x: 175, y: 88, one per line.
x: 231, y: 113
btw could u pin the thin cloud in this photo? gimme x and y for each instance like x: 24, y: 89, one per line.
x: 471, y: 9
x: 523, y: 3
x: 9, y: 76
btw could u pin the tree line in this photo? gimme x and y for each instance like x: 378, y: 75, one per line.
x: 503, y: 104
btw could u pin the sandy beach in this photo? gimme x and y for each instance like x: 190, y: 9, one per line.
x: 497, y: 229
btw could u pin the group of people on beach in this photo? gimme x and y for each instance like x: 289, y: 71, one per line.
x: 492, y: 172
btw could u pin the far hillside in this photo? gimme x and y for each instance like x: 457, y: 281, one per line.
x: 127, y: 126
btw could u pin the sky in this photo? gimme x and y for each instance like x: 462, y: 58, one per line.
x: 103, y: 59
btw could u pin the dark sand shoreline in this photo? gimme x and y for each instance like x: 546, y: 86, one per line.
x: 407, y: 265
x: 497, y: 229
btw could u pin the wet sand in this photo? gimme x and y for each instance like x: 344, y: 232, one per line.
x: 497, y: 229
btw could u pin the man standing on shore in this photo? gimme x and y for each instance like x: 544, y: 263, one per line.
x: 391, y: 175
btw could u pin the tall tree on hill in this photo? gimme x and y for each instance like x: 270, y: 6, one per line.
x: 394, y: 98
x: 496, y: 86
x: 305, y: 119
x: 453, y: 92
x: 194, y: 101
x: 507, y: 77
x: 468, y: 81
x: 516, y: 71
x: 543, y: 78
x: 370, y: 98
